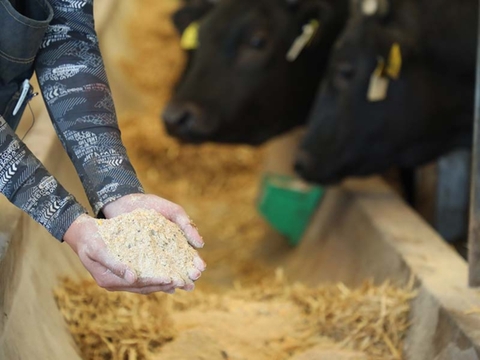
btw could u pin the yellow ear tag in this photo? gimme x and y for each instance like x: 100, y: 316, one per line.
x: 394, y: 65
x: 378, y: 86
x: 189, y: 40
x: 315, y: 24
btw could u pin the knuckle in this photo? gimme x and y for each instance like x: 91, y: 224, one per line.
x: 103, y: 283
x: 145, y: 291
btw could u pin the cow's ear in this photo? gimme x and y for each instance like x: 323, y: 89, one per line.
x: 190, y: 12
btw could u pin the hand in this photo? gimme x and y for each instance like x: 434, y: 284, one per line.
x: 108, y: 272
x: 172, y: 212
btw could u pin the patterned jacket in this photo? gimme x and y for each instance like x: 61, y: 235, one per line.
x: 74, y: 85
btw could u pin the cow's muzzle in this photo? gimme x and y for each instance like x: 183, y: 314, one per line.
x: 187, y: 121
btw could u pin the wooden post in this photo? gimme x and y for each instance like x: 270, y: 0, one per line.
x: 474, y: 226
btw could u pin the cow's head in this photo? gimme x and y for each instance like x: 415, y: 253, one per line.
x: 246, y: 82
x: 380, y: 104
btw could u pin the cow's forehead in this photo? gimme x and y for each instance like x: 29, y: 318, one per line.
x: 233, y: 14
x: 358, y: 33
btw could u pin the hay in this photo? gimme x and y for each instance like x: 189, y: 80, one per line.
x: 273, y: 320
x: 107, y: 325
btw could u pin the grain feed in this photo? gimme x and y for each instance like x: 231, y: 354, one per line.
x: 149, y: 244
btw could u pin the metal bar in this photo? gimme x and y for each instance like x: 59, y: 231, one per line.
x: 474, y: 225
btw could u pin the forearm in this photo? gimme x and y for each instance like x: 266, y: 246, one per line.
x: 29, y: 186
x: 78, y: 98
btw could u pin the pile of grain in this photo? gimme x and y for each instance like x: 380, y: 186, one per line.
x: 149, y: 244
x: 271, y: 321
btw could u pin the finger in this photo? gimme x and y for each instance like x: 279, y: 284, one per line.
x: 178, y: 282
x: 199, y: 263
x: 109, y: 266
x: 108, y: 280
x: 145, y: 290
x: 102, y: 256
x: 194, y: 274
x: 180, y: 217
x: 190, y: 231
x: 188, y: 287
x: 157, y: 281
x: 103, y: 276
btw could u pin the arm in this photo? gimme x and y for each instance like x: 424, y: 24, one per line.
x: 75, y: 88
x: 29, y: 186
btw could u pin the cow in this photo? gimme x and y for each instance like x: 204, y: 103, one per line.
x: 255, y: 71
x: 399, y: 90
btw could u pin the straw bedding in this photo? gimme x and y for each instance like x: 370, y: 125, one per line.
x: 273, y: 320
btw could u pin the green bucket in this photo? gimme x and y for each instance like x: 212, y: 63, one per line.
x: 288, y: 204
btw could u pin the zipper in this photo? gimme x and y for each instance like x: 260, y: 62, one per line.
x: 26, y: 94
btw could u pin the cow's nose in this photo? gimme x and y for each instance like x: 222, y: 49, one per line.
x: 187, y: 119
x: 304, y: 163
x: 177, y: 116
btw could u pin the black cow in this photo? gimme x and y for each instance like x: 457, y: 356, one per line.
x: 415, y: 62
x: 239, y: 85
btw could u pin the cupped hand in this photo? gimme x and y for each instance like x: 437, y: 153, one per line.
x: 172, y: 212
x: 108, y: 272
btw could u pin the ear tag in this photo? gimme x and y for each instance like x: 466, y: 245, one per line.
x: 189, y: 40
x: 369, y: 7
x: 378, y: 86
x: 303, y: 40
x: 394, y: 65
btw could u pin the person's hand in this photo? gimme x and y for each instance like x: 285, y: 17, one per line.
x: 108, y: 272
x: 172, y: 212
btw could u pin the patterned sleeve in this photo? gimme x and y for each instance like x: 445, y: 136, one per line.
x: 74, y: 84
x: 29, y: 186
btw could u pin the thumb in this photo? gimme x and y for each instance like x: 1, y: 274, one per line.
x: 121, y: 270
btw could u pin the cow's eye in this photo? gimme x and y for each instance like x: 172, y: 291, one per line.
x: 345, y: 71
x: 258, y: 40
